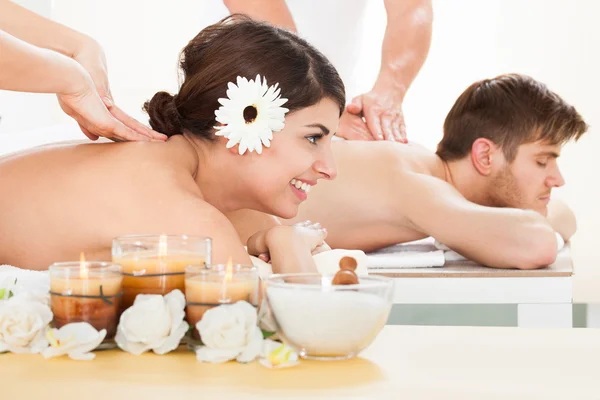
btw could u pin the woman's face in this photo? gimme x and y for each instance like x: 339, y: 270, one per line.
x: 281, y: 177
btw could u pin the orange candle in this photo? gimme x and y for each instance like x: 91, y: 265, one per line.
x: 86, y: 292
x: 215, y: 285
x: 156, y: 264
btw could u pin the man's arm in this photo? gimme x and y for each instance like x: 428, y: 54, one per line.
x: 275, y: 12
x: 495, y: 237
x: 562, y: 219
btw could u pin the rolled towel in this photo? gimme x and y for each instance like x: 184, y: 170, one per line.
x: 405, y: 259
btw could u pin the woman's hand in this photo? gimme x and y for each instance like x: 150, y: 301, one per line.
x: 289, y: 248
x: 315, y: 226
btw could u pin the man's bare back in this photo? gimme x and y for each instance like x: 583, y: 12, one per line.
x: 356, y: 207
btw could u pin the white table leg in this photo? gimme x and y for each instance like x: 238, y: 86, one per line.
x: 545, y: 315
x: 593, y: 315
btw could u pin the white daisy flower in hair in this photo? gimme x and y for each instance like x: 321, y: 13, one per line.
x: 250, y: 114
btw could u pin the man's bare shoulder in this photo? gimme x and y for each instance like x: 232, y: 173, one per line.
x: 386, y: 155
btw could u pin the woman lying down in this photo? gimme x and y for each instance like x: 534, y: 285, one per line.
x: 484, y: 193
x: 275, y: 102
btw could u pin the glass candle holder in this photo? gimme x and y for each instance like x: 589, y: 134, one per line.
x: 155, y: 264
x: 213, y: 285
x: 86, y: 291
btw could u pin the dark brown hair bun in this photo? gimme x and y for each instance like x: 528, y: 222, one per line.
x: 164, y: 117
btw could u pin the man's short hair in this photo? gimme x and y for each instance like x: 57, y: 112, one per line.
x: 510, y: 110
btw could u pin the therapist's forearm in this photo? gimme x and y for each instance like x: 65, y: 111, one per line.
x: 275, y: 12
x: 406, y: 42
x: 27, y: 68
x: 39, y: 31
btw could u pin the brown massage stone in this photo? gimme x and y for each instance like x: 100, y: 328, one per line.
x: 348, y: 263
x: 345, y: 277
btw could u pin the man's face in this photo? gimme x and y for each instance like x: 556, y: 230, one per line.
x: 527, y: 182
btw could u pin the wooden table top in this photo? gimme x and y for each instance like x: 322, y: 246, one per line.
x: 562, y: 267
x: 404, y: 362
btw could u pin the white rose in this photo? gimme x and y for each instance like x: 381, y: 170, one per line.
x: 154, y: 323
x: 23, y: 321
x: 77, y: 339
x: 7, y: 285
x: 229, y: 331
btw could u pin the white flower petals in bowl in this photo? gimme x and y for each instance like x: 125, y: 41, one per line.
x: 76, y: 339
x: 321, y: 320
x: 153, y: 322
x: 23, y: 322
x: 229, y: 332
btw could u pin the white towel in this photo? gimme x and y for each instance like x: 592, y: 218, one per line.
x: 405, y: 259
x: 18, y: 281
x: 416, y: 254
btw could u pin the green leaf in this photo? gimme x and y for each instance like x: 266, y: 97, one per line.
x: 10, y: 294
x: 266, y: 334
x: 2, y: 293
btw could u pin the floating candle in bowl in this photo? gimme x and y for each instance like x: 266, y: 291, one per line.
x: 211, y: 286
x: 155, y: 264
x: 86, y: 291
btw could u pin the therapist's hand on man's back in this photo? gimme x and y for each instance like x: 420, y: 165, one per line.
x: 376, y: 115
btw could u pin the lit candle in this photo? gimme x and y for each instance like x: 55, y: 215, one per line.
x: 86, y: 292
x: 155, y: 264
x: 207, y: 287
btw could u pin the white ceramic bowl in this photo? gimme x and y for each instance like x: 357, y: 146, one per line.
x: 324, y: 321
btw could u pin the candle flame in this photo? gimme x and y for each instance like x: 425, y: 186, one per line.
x: 162, y: 245
x: 83, y: 270
x: 227, y: 278
x: 229, y: 270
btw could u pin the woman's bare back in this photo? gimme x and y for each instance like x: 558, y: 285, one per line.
x: 60, y: 200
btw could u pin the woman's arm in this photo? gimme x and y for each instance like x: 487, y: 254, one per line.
x: 290, y: 247
x: 249, y: 222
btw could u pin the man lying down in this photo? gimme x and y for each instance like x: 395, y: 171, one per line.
x: 485, y: 192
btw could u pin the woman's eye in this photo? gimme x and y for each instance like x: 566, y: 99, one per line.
x: 541, y: 164
x: 314, y: 138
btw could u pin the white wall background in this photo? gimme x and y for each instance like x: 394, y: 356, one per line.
x: 556, y: 41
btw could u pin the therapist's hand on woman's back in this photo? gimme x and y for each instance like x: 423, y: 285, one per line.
x: 95, y: 121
